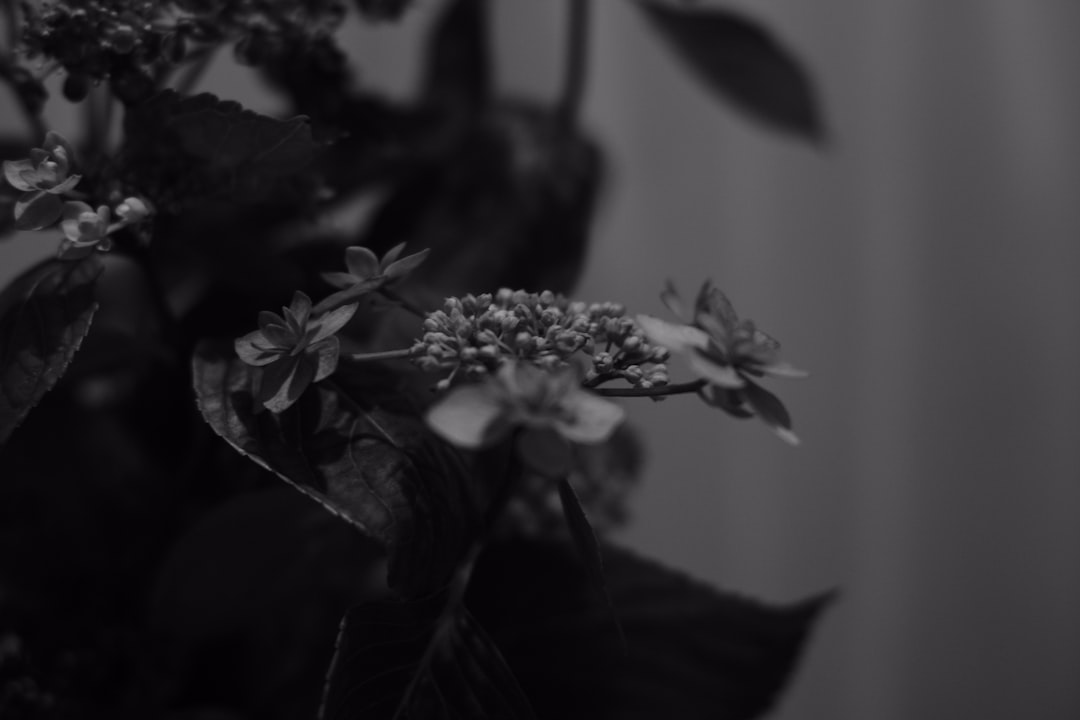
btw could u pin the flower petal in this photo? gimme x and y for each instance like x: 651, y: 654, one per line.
x: 15, y: 173
x: 361, y: 262
x: 391, y: 255
x: 716, y: 373
x: 69, y: 250
x: 285, y: 381
x: 301, y: 309
x: 254, y: 349
x: 714, y: 303
x: 671, y: 299
x: 73, y: 212
x: 730, y: 401
x: 278, y: 336
x: 400, y: 268
x: 270, y: 318
x: 592, y: 418
x: 782, y: 369
x: 327, y: 352
x: 333, y: 321
x: 66, y: 185
x: 36, y: 210
x: 58, y: 147
x: 470, y: 416
x: 771, y: 411
x: 677, y: 338
x: 339, y: 280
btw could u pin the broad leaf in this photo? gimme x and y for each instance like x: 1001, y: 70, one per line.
x: 737, y: 58
x: 183, y: 149
x: 419, y: 659
x: 44, y: 316
x: 382, y: 472
x: 694, y: 653
x: 457, y: 72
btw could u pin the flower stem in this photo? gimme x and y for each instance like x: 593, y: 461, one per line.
x: 405, y: 304
x: 677, y: 389
x: 385, y: 355
x: 576, y: 67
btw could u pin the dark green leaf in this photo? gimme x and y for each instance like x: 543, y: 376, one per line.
x: 694, y: 653
x: 383, y: 472
x: 737, y: 58
x: 588, y: 547
x: 181, y: 149
x: 457, y: 72
x: 44, y: 316
x: 419, y: 659
x: 225, y: 135
x: 249, y: 599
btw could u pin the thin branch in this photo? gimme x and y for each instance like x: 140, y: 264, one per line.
x: 576, y: 67
x: 677, y: 389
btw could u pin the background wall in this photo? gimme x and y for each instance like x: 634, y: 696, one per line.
x: 923, y: 266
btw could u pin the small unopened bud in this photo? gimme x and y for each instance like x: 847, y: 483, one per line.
x: 132, y: 210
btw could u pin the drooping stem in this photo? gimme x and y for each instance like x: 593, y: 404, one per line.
x: 576, y: 64
x: 677, y: 389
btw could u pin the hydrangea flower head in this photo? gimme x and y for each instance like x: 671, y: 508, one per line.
x: 42, y: 178
x: 293, y: 349
x: 474, y: 334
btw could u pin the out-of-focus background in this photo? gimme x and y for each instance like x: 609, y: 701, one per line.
x: 924, y: 265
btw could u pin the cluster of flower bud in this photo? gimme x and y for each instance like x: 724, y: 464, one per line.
x: 474, y: 334
x: 123, y: 41
x: 128, y: 41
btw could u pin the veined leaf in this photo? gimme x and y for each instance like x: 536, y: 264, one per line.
x: 223, y: 133
x: 693, y: 652
x: 383, y: 472
x: 419, y: 659
x: 44, y: 316
x: 738, y: 59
